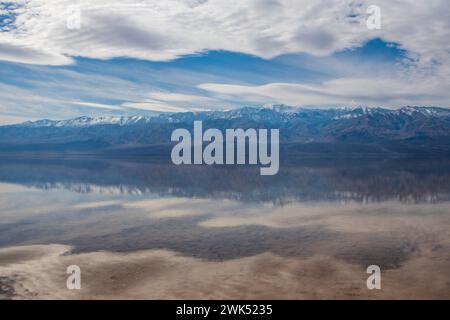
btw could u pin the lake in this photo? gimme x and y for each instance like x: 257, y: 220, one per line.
x: 145, y: 228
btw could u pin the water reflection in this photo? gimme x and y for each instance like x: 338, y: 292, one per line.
x: 325, y: 216
x: 361, y: 180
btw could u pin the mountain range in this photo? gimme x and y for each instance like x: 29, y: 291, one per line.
x: 416, y: 130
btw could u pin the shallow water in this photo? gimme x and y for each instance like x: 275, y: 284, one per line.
x: 139, y: 228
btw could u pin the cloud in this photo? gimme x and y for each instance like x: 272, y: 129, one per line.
x: 96, y: 105
x: 164, y: 30
x: 35, y: 92
x: 15, y: 52
x: 376, y: 91
x: 180, y: 97
x: 45, y: 32
x: 153, y: 106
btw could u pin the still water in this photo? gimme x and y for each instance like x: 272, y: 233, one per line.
x: 143, y: 228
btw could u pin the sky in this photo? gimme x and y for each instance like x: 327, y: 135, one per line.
x: 61, y: 59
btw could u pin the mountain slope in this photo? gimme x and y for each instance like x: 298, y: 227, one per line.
x: 408, y: 128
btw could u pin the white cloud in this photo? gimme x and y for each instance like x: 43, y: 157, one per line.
x: 165, y: 30
x: 153, y: 106
x: 95, y: 105
x: 15, y: 52
x: 390, y: 92
x: 180, y: 97
x: 162, y: 30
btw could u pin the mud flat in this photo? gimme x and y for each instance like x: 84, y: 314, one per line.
x: 39, y: 272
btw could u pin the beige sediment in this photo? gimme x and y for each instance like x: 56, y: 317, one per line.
x: 39, y: 272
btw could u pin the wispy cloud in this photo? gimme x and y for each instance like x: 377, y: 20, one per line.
x: 374, y: 92
x: 153, y: 106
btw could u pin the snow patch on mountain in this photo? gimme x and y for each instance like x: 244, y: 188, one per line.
x: 88, y: 121
x: 266, y: 113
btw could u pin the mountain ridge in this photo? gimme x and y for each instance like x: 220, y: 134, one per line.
x: 343, y: 112
x: 408, y: 128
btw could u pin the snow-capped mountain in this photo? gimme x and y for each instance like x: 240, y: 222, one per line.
x: 257, y: 114
x: 428, y: 127
x: 87, y: 121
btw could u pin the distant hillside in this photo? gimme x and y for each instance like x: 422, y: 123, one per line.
x: 371, y: 130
